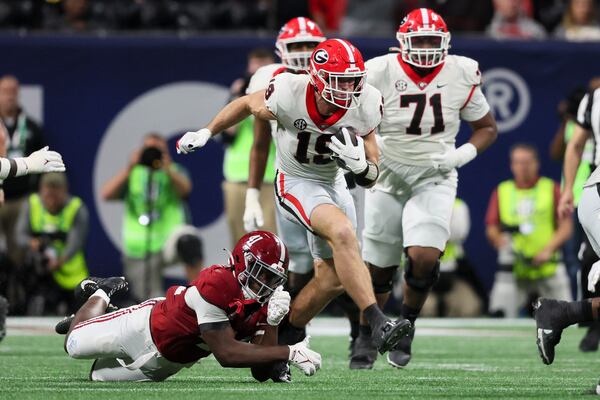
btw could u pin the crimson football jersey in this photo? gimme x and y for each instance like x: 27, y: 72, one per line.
x: 215, y: 296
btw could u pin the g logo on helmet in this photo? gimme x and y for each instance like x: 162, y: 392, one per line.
x: 321, y: 56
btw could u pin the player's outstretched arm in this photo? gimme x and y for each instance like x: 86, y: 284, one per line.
x: 37, y: 162
x: 232, y: 353
x: 230, y: 115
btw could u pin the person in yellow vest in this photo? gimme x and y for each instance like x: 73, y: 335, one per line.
x: 153, y: 190
x: 455, y: 294
x: 52, y: 228
x: 238, y: 140
x: 522, y: 217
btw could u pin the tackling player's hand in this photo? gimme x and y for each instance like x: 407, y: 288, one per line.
x: 303, y: 358
x: 353, y: 156
x: 451, y: 157
x: 192, y: 141
x: 594, y: 277
x: 253, y: 215
x: 566, y: 204
x: 278, y: 307
x: 44, y: 160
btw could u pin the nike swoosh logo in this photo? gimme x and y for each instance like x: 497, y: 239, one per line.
x: 441, y: 86
x: 354, y: 158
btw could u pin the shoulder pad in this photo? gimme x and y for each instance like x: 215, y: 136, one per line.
x: 218, y: 286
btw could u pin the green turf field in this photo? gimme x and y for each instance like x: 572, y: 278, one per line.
x: 455, y: 362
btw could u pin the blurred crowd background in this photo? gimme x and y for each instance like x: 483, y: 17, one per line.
x: 45, y: 226
x: 527, y: 19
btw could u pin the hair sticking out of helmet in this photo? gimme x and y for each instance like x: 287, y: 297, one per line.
x: 424, y: 38
x: 296, y: 41
x: 337, y: 71
x: 260, y: 260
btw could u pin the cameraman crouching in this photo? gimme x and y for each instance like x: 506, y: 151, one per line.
x: 52, y: 228
x: 153, y: 189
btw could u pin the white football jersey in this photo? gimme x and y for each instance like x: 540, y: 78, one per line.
x: 261, y: 78
x: 422, y: 111
x: 302, y: 133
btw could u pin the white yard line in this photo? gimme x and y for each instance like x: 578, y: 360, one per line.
x: 328, y: 326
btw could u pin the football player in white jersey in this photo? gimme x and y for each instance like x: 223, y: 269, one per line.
x: 310, y: 186
x: 427, y: 93
x: 295, y: 43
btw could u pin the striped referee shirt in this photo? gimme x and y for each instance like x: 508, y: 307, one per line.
x: 588, y: 117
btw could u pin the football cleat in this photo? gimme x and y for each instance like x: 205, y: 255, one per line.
x: 3, y: 314
x: 548, y: 314
x: 388, y: 334
x: 281, y: 373
x: 111, y: 286
x: 363, y: 354
x: 63, y: 326
x: 400, y: 357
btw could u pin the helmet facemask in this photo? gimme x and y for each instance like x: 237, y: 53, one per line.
x: 424, y: 48
x: 342, y: 89
x: 293, y: 59
x: 259, y: 280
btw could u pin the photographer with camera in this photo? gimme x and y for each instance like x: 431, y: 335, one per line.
x: 153, y: 189
x: 52, y: 229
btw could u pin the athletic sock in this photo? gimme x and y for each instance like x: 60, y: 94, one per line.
x: 374, y: 315
x: 364, y: 330
x: 578, y: 311
x: 409, y: 313
x: 354, y: 329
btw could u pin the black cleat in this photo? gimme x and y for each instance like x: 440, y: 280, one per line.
x: 3, y: 314
x: 363, y: 354
x: 591, y: 339
x: 86, y: 288
x: 63, y: 326
x: 281, y: 373
x: 387, y: 336
x: 400, y: 357
x: 548, y: 314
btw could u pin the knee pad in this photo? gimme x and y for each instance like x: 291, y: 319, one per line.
x: 383, y: 278
x: 421, y: 284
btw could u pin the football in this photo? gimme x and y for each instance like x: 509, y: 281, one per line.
x: 340, y: 136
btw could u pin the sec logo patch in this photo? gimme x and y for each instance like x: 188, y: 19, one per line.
x: 300, y: 124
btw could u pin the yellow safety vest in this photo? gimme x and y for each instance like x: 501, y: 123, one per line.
x: 42, y: 223
x: 531, y: 213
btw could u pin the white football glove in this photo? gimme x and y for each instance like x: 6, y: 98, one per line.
x: 451, y: 158
x: 44, y: 160
x: 353, y: 156
x: 278, y: 307
x: 253, y: 215
x: 192, y: 141
x: 303, y: 358
x: 594, y: 277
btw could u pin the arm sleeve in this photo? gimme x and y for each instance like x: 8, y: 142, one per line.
x: 475, y: 106
x: 206, y: 313
x: 22, y: 231
x: 492, y: 216
x: 584, y: 112
x: 78, y: 234
x: 460, y: 223
x: 275, y: 94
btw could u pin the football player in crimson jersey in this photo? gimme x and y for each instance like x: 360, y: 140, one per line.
x: 427, y: 93
x: 295, y: 43
x: 217, y: 313
x: 310, y: 186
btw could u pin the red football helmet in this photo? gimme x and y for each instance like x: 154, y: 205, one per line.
x: 424, y: 38
x: 337, y: 71
x: 260, y: 261
x: 297, y: 30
